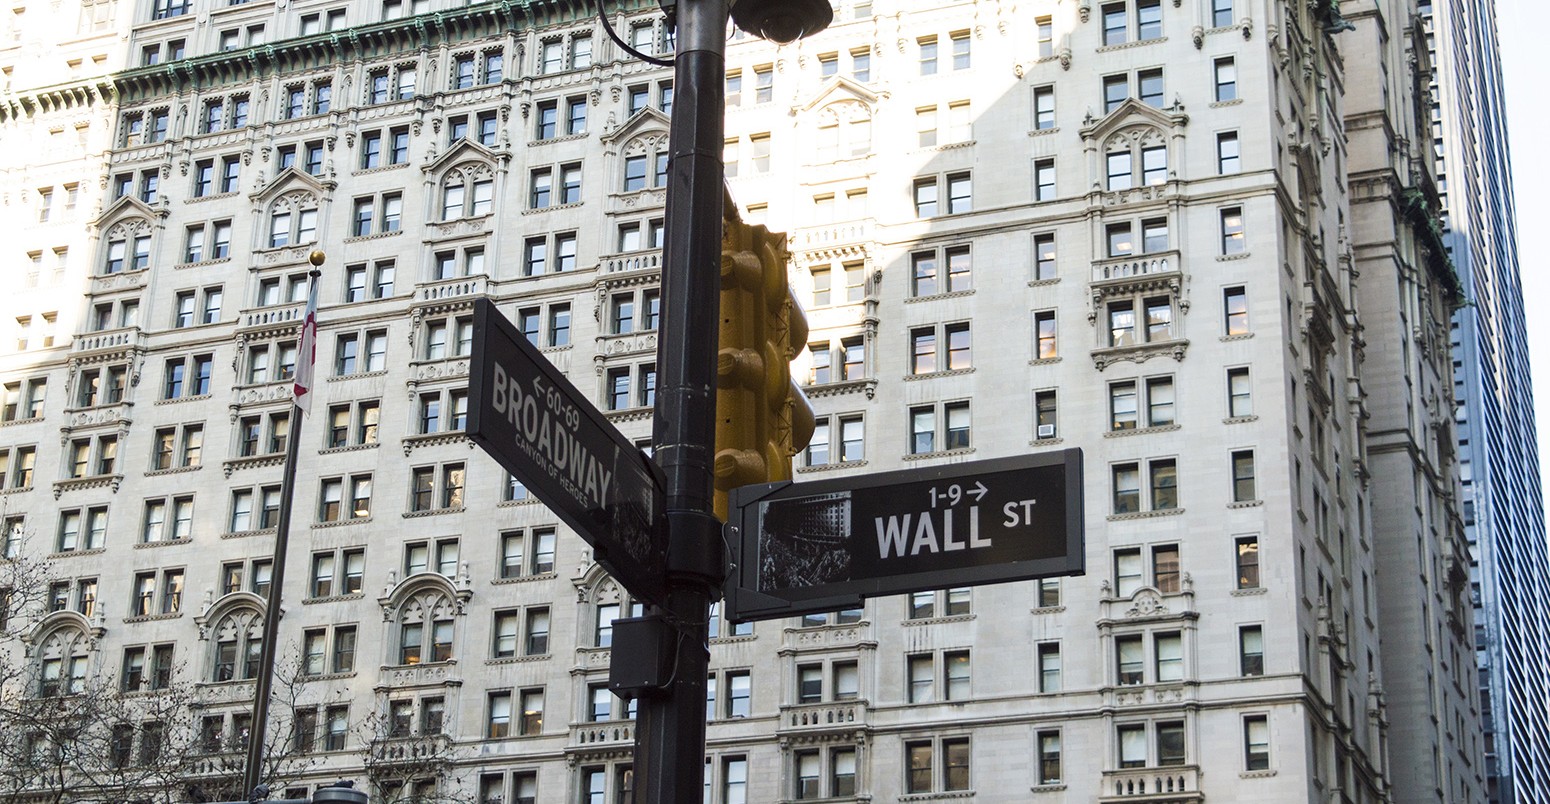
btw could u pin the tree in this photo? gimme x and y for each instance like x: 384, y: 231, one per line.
x: 404, y: 765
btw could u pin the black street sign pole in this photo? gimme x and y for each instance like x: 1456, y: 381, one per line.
x: 670, y: 739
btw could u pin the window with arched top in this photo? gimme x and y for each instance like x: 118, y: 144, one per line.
x: 610, y: 602
x: 425, y: 628
x: 645, y: 162
x: 128, y: 247
x: 1135, y: 157
x: 293, y: 219
x: 238, y: 638
x: 62, y: 663
x: 844, y: 131
x: 467, y: 191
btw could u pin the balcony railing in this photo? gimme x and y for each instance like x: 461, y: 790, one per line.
x: 1139, y: 265
x: 633, y: 261
x: 833, y: 715
x: 107, y: 340
x: 454, y: 288
x: 608, y: 734
x: 1180, y: 783
x: 273, y: 316
x: 839, y: 234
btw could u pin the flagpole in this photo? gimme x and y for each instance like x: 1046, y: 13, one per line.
x: 301, y: 402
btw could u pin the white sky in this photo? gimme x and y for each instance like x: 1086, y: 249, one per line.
x: 1526, y: 67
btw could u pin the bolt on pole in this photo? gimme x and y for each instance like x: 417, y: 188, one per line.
x: 669, y: 761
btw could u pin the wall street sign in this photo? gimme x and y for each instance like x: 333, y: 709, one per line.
x: 825, y: 545
x: 534, y: 422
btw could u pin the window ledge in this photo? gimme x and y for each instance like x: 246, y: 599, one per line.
x: 944, y: 796
x: 252, y: 462
x: 380, y: 169
x: 951, y: 618
x: 15, y: 422
x: 410, y: 443
x: 1048, y: 788
x: 562, y: 138
x: 162, y: 543
x: 328, y: 676
x: 1225, y: 103
x: 1243, y: 337
x: 946, y: 146
x: 357, y: 376
x: 631, y: 414
x: 1043, y: 283
x: 1128, y: 45
x: 1047, y: 610
x: 954, y: 294
x: 377, y: 236
x: 542, y: 576
x: 15, y: 490
x: 536, y: 657
x: 921, y: 456
x: 307, y: 601
x: 1044, y: 361
x: 829, y: 467
x: 1044, y: 132
x: 90, y: 551
x: 1259, y: 774
x: 1139, y: 353
x: 1145, y: 514
x: 1046, y: 442
x: 1162, y: 428
x: 145, y: 618
x: 176, y: 470
x: 552, y: 208
x: 182, y: 399
x: 1242, y: 255
x: 432, y: 512
x: 726, y: 640
x: 839, y: 387
x: 346, y: 448
x: 242, y: 534
x: 87, y: 482
x: 1240, y: 419
x: 1258, y: 590
x: 202, y: 264
x: 514, y: 503
x: 200, y: 199
x: 339, y: 523
x: 1246, y: 504
x: 934, y: 374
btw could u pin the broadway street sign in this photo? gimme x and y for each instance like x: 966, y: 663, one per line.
x: 825, y: 545
x: 527, y: 416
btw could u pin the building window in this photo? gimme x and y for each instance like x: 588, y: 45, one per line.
x: 1251, y: 651
x: 925, y: 436
x: 1240, y: 401
x: 1044, y: 180
x: 1227, y: 154
x: 1049, y: 757
x: 1246, y: 553
x: 1046, y: 36
x: 1049, y: 667
x: 1044, y: 108
x: 1226, y: 72
x: 437, y: 487
x: 1256, y: 743
x: 1243, y: 489
x: 936, y: 765
x: 1232, y: 230
x: 1235, y: 311
x: 961, y: 44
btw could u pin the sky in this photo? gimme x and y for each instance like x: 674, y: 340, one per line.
x: 1525, y: 66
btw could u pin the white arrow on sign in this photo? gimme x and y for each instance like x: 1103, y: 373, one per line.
x: 978, y: 491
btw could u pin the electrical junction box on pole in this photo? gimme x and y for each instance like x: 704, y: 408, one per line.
x: 825, y: 545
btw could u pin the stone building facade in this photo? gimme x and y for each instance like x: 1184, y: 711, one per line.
x: 1129, y: 227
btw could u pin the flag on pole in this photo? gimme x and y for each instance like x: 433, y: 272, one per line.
x: 306, y: 351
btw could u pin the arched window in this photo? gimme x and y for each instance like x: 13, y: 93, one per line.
x: 1135, y: 157
x: 609, y: 603
x: 844, y: 131
x: 425, y: 628
x: 238, y: 643
x: 293, y: 220
x: 467, y: 191
x: 645, y: 162
x: 62, y: 663
x: 128, y: 247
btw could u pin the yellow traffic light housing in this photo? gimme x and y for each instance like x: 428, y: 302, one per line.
x: 762, y: 418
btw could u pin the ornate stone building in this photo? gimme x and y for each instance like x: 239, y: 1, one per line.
x: 1151, y: 229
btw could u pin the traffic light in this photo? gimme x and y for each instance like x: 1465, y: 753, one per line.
x: 762, y: 417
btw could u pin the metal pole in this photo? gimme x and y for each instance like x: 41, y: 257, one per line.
x: 263, y: 685
x: 670, y: 732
